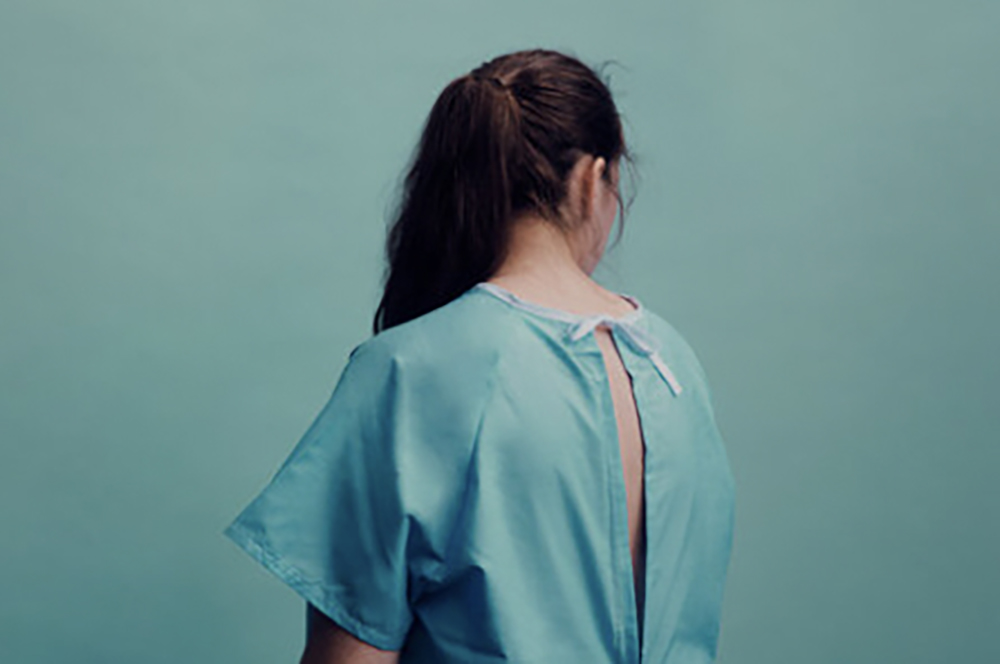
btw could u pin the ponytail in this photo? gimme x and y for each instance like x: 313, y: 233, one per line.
x: 494, y: 144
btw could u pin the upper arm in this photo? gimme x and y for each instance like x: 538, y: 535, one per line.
x: 359, y: 517
x: 332, y: 522
x: 328, y: 643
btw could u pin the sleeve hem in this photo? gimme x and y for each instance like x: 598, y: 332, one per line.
x: 311, y: 591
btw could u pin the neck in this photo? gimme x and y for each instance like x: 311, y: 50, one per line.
x: 538, y: 251
x: 545, y: 265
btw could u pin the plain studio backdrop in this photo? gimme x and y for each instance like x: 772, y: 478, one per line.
x: 193, y: 197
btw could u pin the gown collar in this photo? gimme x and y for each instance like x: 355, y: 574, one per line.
x: 580, y: 325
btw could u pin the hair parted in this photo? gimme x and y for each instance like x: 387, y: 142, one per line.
x: 498, y: 142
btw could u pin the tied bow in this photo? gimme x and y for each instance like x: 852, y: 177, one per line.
x: 635, y: 336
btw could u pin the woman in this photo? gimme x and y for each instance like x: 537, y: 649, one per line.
x: 519, y: 465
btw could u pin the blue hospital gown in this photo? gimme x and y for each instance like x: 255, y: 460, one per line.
x: 461, y: 497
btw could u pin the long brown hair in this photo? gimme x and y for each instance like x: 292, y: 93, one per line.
x: 499, y: 141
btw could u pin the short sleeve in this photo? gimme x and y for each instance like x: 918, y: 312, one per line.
x: 332, y: 523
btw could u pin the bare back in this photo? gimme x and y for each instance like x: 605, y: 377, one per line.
x: 632, y: 451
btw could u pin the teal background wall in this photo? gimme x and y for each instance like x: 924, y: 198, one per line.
x: 192, y: 204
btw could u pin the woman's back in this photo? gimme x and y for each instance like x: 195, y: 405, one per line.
x: 463, y: 496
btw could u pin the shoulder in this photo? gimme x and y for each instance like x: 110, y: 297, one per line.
x: 440, y: 365
x: 668, y: 335
x: 675, y: 348
x: 467, y: 334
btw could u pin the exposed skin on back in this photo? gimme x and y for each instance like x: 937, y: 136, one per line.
x: 632, y: 450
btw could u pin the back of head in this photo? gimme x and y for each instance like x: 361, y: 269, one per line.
x: 499, y: 141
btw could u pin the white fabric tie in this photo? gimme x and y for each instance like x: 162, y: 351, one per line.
x: 580, y: 326
x: 636, y: 338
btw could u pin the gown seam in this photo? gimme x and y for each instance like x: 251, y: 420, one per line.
x: 446, y: 569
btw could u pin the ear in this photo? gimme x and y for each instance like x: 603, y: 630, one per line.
x: 598, y: 166
x: 590, y: 187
